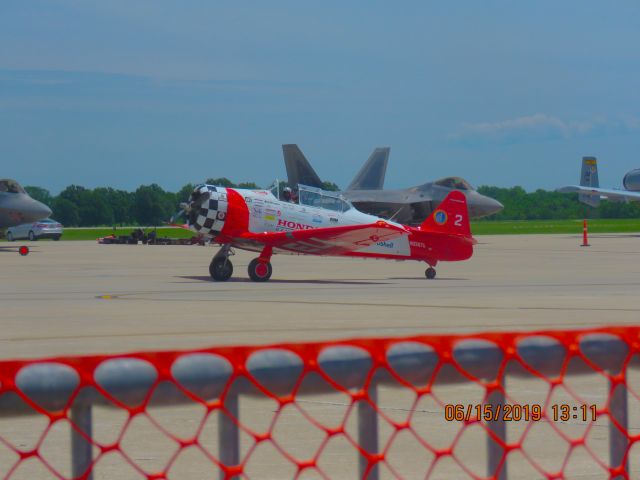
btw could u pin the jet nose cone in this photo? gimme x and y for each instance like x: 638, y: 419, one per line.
x: 494, y: 206
x: 37, y: 211
x: 482, y: 206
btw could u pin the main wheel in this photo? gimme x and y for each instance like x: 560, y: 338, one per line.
x: 430, y: 273
x: 221, y: 269
x: 9, y: 237
x: 259, y: 271
x: 32, y: 236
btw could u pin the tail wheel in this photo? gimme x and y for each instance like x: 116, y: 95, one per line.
x: 23, y: 250
x: 221, y: 269
x: 259, y: 271
x: 430, y: 273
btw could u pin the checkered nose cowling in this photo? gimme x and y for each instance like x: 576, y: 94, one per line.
x: 208, y: 209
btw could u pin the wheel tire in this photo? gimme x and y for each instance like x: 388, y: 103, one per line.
x: 10, y: 237
x: 32, y: 236
x: 259, y: 271
x: 56, y: 238
x: 221, y: 269
x: 430, y: 273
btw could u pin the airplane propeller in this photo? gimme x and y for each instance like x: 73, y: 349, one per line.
x: 191, y: 208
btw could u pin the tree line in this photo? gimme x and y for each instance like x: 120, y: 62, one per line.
x: 152, y: 205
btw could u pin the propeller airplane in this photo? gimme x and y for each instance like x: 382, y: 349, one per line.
x: 320, y: 223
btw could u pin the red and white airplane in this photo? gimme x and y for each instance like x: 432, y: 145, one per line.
x: 320, y: 223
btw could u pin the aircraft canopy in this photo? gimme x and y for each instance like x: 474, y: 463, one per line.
x: 10, y: 186
x: 316, y: 197
x: 456, y: 183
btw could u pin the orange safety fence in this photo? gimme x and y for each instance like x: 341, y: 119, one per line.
x: 551, y: 404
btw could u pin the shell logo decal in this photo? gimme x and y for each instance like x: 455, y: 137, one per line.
x: 440, y: 217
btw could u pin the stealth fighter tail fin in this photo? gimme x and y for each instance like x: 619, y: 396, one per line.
x: 371, y: 175
x: 589, y: 178
x: 299, y: 170
x: 451, y: 216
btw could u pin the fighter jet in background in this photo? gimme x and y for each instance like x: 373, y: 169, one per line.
x: 409, y: 206
x: 589, y: 190
x: 17, y: 207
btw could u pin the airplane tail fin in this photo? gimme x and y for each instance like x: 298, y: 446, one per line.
x: 589, y: 178
x: 371, y: 175
x: 299, y: 170
x: 451, y: 216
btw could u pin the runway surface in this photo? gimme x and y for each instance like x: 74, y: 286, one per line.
x: 81, y: 297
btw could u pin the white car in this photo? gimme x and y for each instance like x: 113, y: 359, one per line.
x: 47, y: 228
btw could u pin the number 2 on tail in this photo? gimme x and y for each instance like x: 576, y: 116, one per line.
x: 458, y: 221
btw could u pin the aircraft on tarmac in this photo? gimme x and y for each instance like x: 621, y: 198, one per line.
x: 17, y: 207
x: 408, y: 206
x: 589, y: 190
x: 321, y: 223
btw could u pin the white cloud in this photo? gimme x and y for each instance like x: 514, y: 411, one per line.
x: 540, y: 126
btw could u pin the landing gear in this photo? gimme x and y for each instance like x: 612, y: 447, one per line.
x: 260, y: 268
x: 221, y: 267
x: 259, y: 271
x: 430, y: 273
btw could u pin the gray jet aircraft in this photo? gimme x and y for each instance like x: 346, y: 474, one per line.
x: 589, y: 190
x: 17, y: 207
x: 409, y: 206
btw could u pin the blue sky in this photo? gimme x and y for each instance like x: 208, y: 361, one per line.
x: 122, y: 93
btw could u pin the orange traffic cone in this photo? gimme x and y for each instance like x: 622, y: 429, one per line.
x: 585, y: 234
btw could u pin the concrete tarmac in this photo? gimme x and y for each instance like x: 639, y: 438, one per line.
x: 80, y: 297
x: 69, y: 298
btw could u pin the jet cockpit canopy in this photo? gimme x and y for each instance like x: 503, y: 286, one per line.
x: 456, y: 183
x: 10, y: 186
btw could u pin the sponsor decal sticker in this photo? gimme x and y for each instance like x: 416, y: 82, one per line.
x: 316, y: 219
x: 440, y: 217
x: 270, y: 217
x: 257, y: 210
x: 385, y: 244
x: 247, y: 200
x: 289, y: 225
x: 417, y: 244
x: 270, y: 211
x: 333, y: 219
x: 221, y: 215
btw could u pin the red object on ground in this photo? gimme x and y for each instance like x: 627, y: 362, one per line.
x: 585, y: 235
x: 23, y: 250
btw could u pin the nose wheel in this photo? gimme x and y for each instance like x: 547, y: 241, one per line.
x: 430, y: 273
x: 259, y: 271
x: 221, y: 267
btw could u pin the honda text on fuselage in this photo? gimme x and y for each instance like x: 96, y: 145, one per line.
x: 320, y: 223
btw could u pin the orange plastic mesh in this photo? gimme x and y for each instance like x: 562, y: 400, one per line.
x: 295, y: 433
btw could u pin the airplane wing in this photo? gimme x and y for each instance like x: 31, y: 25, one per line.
x: 329, y: 240
x: 604, y: 193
